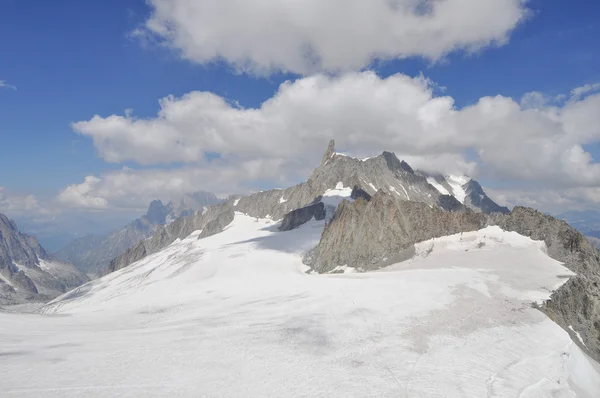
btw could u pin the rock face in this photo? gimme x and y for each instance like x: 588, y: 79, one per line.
x: 27, y: 272
x: 478, y: 200
x: 465, y: 190
x: 594, y: 241
x: 382, y: 231
x: 92, y: 254
x: 300, y: 216
x: 577, y: 302
x: 359, y: 193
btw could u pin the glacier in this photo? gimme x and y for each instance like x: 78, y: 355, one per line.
x: 236, y: 314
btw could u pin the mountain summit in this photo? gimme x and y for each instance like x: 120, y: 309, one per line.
x: 335, y: 179
x: 27, y: 272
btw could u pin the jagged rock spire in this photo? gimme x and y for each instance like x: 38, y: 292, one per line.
x: 329, y: 152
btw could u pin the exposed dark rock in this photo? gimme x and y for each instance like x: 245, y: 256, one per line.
x: 297, y: 217
x: 406, y: 167
x: 22, y: 281
x: 450, y: 203
x: 358, y: 192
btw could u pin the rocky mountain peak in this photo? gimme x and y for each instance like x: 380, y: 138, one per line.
x: 329, y: 152
x: 18, y: 247
x: 27, y: 272
x: 157, y: 212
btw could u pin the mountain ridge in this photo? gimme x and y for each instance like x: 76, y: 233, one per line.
x: 383, y: 172
x: 92, y: 253
x: 27, y: 271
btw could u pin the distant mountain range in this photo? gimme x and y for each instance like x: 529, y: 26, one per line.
x: 27, y: 272
x: 91, y: 254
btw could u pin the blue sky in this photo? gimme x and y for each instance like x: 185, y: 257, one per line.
x: 70, y: 60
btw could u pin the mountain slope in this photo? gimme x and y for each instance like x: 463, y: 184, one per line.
x: 235, y: 314
x: 230, y: 296
x: 466, y: 190
x: 379, y: 228
x: 337, y: 173
x: 27, y: 272
x: 91, y: 254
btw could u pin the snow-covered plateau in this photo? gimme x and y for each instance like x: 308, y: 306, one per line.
x: 236, y: 314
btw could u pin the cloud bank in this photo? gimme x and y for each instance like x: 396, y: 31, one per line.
x: 279, y: 142
x: 304, y: 37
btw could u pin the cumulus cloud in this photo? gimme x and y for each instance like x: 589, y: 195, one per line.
x: 20, y: 204
x: 263, y: 36
x: 130, y: 189
x: 4, y: 84
x: 585, y: 89
x: 494, y: 137
x: 82, y: 196
x: 547, y: 199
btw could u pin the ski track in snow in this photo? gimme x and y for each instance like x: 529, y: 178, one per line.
x: 235, y: 314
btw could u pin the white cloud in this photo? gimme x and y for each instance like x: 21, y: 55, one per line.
x: 134, y: 189
x: 495, y: 137
x: 4, y: 84
x: 585, y: 89
x: 547, y: 199
x: 14, y: 204
x: 82, y: 196
x: 263, y: 36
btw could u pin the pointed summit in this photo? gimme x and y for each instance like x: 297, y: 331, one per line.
x: 157, y: 212
x: 329, y: 152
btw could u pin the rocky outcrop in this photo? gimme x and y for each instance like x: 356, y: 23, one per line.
x: 577, y: 302
x: 297, y: 217
x: 27, y: 272
x: 382, y: 231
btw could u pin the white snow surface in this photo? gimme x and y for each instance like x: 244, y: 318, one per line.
x: 235, y: 314
x: 456, y: 183
x: 333, y: 197
x: 47, y: 266
x: 438, y: 186
x: 577, y: 334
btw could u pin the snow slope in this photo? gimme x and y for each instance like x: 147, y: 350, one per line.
x: 236, y: 315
